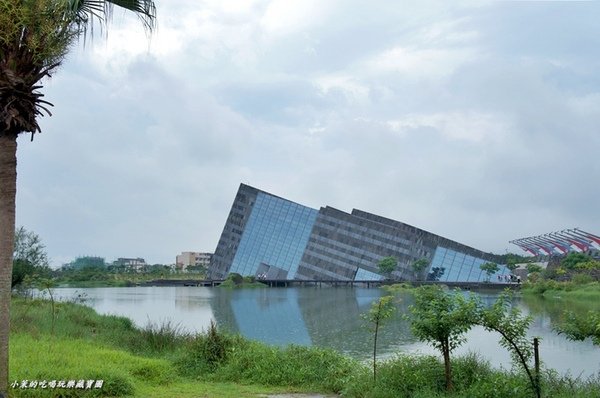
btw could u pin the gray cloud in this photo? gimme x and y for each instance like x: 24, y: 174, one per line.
x: 474, y: 121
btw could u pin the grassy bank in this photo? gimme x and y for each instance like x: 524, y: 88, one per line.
x: 570, y: 289
x: 120, y: 280
x: 162, y: 361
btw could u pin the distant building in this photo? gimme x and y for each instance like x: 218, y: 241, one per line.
x: 271, y: 237
x: 131, y: 264
x: 187, y: 259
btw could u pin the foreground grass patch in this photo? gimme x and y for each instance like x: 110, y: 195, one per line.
x: 48, y: 358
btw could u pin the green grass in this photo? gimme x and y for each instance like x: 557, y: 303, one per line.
x: 52, y: 358
x: 551, y: 288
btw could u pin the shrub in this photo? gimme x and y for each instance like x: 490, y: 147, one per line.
x: 402, y: 376
x: 158, y: 337
x: 582, y: 279
x: 206, y: 351
x: 237, y: 279
x: 534, y: 277
x: 295, y: 366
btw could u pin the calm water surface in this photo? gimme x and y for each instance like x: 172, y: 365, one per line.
x: 327, y: 317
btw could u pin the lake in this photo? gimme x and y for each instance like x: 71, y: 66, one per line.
x: 328, y: 317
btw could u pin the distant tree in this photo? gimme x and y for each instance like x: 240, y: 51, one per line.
x: 511, y: 262
x: 489, y: 268
x: 531, y: 268
x: 380, y: 310
x: 442, y: 318
x: 418, y: 266
x: 387, y: 265
x: 29, y: 247
x: 29, y: 256
x: 574, y: 258
x: 87, y: 262
x: 21, y: 270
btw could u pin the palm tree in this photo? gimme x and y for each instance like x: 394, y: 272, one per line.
x: 35, y: 37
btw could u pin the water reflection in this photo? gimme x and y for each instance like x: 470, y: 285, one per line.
x: 330, y: 317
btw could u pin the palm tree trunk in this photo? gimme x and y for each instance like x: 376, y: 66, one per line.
x: 8, y: 192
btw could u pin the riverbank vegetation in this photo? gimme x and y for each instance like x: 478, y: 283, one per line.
x: 236, y: 281
x: 576, y: 278
x: 166, y: 361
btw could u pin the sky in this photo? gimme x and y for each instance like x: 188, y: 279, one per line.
x: 474, y: 120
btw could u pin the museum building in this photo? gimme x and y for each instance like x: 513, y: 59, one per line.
x: 274, y: 238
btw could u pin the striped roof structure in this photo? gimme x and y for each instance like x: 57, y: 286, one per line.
x: 561, y: 242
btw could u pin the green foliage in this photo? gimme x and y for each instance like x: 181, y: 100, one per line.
x: 439, y: 316
x: 419, y: 265
x: 380, y: 310
x: 44, y: 358
x: 574, y: 258
x: 581, y: 327
x: 409, y: 376
x: 588, y: 265
x: 512, y: 326
x: 87, y: 262
x: 29, y: 257
x: 531, y: 268
x: 235, y: 280
x: 159, y: 337
x: 442, y: 318
x: 581, y: 279
x: 511, y: 261
x: 489, y: 268
x: 292, y: 366
x: 398, y: 288
x: 207, y: 351
x: 534, y: 277
x: 20, y: 271
x: 387, y: 265
x: 404, y: 376
x: 29, y: 248
x: 104, y: 347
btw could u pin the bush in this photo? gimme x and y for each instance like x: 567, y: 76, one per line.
x: 534, y: 277
x: 582, y: 279
x: 237, y: 279
x: 402, y: 376
x: 158, y: 337
x: 293, y: 366
x: 206, y: 352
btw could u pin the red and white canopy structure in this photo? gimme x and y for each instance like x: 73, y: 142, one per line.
x: 561, y: 242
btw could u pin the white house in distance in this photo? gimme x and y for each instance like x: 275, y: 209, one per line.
x: 134, y: 264
x: 186, y: 259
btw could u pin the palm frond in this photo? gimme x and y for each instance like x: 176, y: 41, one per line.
x: 145, y: 10
x: 86, y: 13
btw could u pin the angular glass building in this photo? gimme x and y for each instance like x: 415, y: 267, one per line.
x: 274, y: 238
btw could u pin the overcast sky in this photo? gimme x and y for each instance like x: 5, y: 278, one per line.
x: 478, y: 122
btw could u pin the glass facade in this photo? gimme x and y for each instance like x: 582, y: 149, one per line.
x: 275, y: 236
x: 364, y: 275
x: 453, y: 266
